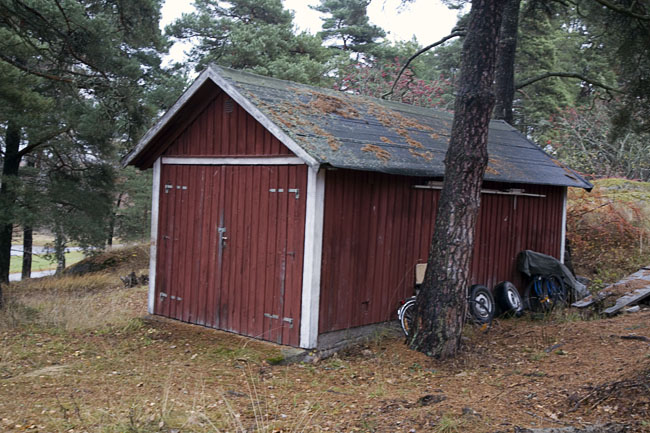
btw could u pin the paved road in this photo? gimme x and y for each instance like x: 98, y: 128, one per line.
x: 39, y: 274
x: 17, y: 250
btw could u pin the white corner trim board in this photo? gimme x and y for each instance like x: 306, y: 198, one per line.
x: 250, y: 160
x: 563, y: 240
x: 312, y: 260
x: 155, y: 203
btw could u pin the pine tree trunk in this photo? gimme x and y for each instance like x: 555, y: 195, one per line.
x: 59, y: 251
x: 111, y: 223
x: 28, y: 237
x: 8, y: 197
x: 442, y: 303
x: 111, y: 231
x: 504, y: 85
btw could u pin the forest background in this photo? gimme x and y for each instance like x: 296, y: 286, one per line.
x: 83, y: 79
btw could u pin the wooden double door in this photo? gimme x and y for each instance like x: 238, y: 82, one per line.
x: 230, y: 248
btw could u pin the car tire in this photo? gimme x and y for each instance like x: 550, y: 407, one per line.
x: 508, y: 298
x: 481, y: 304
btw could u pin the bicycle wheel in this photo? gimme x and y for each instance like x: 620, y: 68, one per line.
x: 481, y: 304
x: 536, y: 295
x: 405, y: 315
x: 556, y: 291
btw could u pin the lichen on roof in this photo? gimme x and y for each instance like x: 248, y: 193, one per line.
x: 428, y: 155
x: 379, y: 152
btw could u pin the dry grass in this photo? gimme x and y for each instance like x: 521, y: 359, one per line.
x: 71, y: 303
x: 79, y: 302
x: 69, y: 284
x: 80, y: 354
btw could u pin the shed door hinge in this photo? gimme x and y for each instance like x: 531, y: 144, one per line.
x: 172, y: 297
x: 289, y: 320
x: 170, y: 186
x: 295, y: 191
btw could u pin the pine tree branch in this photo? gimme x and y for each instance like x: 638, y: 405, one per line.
x: 454, y: 34
x: 581, y: 77
x: 622, y: 10
x: 33, y: 71
x: 27, y: 149
x: 65, y: 16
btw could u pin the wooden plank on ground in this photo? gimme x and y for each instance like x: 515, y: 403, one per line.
x: 637, y: 280
x: 630, y: 298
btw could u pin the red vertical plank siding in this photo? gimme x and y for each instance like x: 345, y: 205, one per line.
x: 393, y: 240
x: 281, y: 255
x: 377, y: 227
x: 216, y: 132
x: 262, y: 256
x: 187, y: 236
x: 271, y: 264
x: 194, y: 217
x: 252, y: 235
x: 248, y: 268
x: 203, y: 313
x: 221, y: 268
x: 193, y: 236
x: 228, y: 250
x: 288, y: 259
x: 184, y: 243
x: 175, y: 197
x: 363, y: 232
x: 237, y: 247
x: 175, y: 247
x: 166, y: 236
x: 242, y: 261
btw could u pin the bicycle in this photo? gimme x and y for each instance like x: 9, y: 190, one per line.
x: 544, y: 292
x: 480, y: 302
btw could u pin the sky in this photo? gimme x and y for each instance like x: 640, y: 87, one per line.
x: 427, y: 20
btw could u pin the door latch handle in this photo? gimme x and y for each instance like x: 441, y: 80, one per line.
x: 222, y: 236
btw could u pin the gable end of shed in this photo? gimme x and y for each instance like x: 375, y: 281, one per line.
x: 213, y: 119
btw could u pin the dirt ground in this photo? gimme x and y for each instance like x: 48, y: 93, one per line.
x: 143, y: 374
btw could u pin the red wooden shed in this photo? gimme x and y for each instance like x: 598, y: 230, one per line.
x: 293, y: 214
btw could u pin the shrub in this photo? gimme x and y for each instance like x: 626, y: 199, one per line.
x: 609, y: 229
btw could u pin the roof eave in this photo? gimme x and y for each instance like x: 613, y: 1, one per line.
x: 583, y: 183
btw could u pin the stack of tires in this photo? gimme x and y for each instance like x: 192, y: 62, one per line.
x: 503, y: 300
